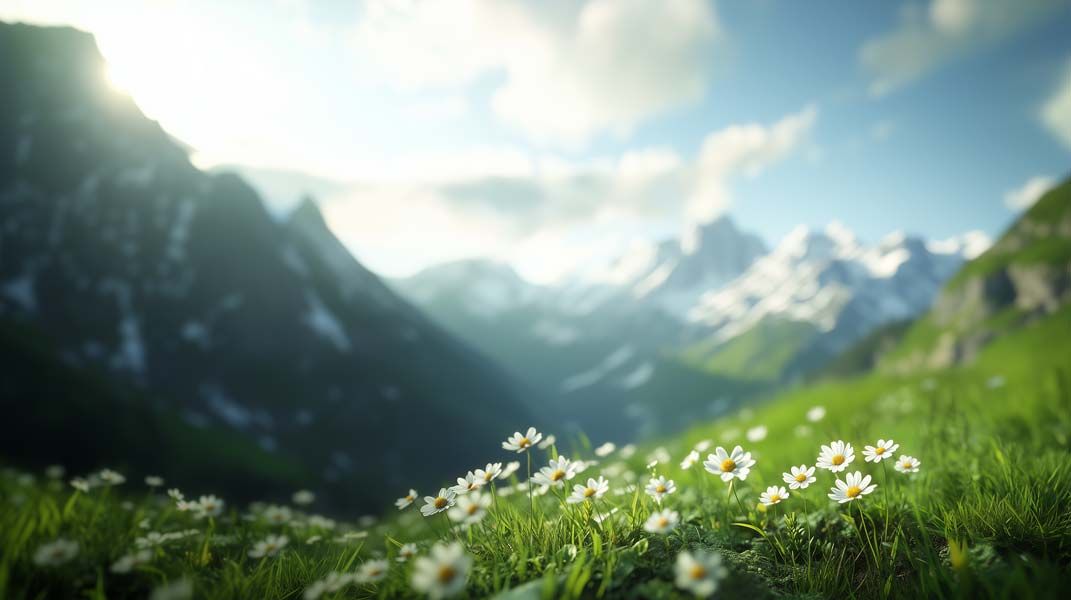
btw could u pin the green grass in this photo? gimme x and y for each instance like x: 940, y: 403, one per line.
x: 763, y: 353
x: 989, y: 515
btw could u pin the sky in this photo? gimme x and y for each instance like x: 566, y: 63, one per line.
x: 553, y: 133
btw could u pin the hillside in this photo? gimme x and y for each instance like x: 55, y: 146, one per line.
x: 985, y: 516
x: 179, y: 285
x: 1023, y: 277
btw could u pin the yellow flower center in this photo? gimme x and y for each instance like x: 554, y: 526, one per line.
x: 472, y: 509
x: 661, y: 489
x: 524, y: 443
x: 728, y: 465
x: 907, y: 464
x: 446, y: 574
x: 697, y: 572
x: 589, y: 492
x: 409, y: 498
x: 801, y: 477
x: 879, y: 450
x: 663, y: 522
x: 440, y: 502
x: 472, y: 485
x: 557, y: 475
x: 838, y: 459
x: 775, y: 498
x: 853, y: 491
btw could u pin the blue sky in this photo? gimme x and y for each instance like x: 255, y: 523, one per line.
x: 557, y: 132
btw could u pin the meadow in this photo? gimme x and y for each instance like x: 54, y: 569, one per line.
x: 984, y: 510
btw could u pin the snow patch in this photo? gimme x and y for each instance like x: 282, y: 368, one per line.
x: 195, y: 332
x: 555, y: 334
x: 225, y: 407
x: 639, y: 376
x: 322, y: 321
x: 21, y: 291
x: 581, y: 380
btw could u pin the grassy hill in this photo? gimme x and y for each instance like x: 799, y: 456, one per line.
x: 1023, y: 277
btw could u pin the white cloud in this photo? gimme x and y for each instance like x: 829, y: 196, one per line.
x: 1024, y: 196
x: 570, y: 70
x: 1056, y: 112
x: 742, y: 150
x: 948, y: 30
x: 550, y: 214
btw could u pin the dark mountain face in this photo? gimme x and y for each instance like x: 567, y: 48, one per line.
x: 179, y: 284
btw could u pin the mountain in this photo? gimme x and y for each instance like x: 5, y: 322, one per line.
x: 592, y: 353
x: 686, y: 328
x: 673, y: 274
x: 1022, y: 279
x: 123, y: 264
x: 813, y: 296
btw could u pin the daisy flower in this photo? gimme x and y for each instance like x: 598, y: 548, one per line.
x: 406, y: 552
x: 154, y: 481
x: 180, y: 589
x: 511, y: 467
x: 443, y: 572
x: 703, y: 445
x: 800, y: 477
x: 836, y: 457
x: 658, y: 487
x: 110, y: 477
x: 372, y: 571
x: 55, y: 553
x: 879, y: 452
x: 277, y: 515
x: 605, y: 450
x: 855, y: 485
x: 690, y: 460
x: 437, y: 504
x: 773, y: 495
x: 757, y: 433
x: 127, y: 562
x: 548, y: 442
x: 81, y: 484
x: 592, y: 491
x: 627, y: 451
x: 470, y: 508
x: 490, y: 472
x: 699, y: 573
x: 729, y: 465
x: 303, y: 497
x: 207, y: 506
x: 816, y: 414
x: 468, y: 483
x: 907, y: 464
x: 521, y: 443
x: 406, y: 500
x: 55, y: 472
x: 559, y: 471
x: 270, y: 546
x: 662, y: 522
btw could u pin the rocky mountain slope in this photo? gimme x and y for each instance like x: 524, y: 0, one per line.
x: 1024, y: 276
x: 179, y: 285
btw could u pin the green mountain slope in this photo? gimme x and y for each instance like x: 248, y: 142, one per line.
x: 1023, y: 277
